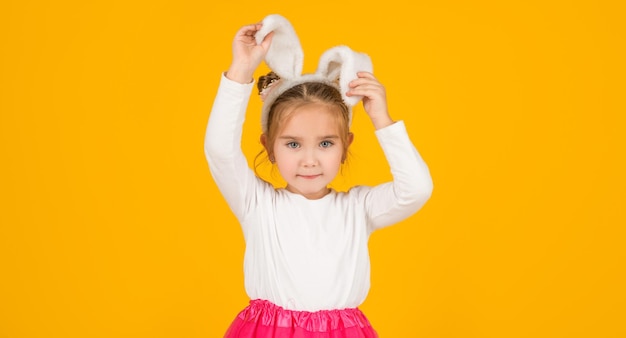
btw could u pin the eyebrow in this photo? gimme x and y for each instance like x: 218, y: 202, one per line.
x: 289, y: 137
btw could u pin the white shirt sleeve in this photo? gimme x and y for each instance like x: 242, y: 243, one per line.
x: 411, y: 187
x: 222, y: 146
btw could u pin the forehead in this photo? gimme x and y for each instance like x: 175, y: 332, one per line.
x: 311, y: 119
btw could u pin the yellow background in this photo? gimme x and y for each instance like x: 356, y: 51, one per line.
x: 111, y: 226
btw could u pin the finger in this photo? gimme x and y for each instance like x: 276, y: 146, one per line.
x: 267, y: 40
x: 359, y: 82
x: 371, y: 92
x: 366, y: 84
x: 365, y: 77
x: 363, y: 74
x: 247, y: 30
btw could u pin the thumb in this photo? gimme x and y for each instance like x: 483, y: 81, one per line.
x: 267, y: 41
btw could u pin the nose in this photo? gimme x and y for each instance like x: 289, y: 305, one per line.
x: 309, y: 158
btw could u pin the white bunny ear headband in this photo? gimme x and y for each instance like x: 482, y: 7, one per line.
x: 285, y: 58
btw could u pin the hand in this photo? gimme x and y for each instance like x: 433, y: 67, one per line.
x: 374, y: 98
x: 247, y: 55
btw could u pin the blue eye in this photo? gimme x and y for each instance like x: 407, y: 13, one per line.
x: 325, y: 144
x: 293, y: 144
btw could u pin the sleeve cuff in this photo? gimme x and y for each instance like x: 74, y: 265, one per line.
x: 396, y: 128
x: 235, y: 87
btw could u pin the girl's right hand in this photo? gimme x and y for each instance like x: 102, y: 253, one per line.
x: 247, y: 55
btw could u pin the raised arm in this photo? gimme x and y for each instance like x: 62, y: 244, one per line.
x: 412, y: 185
x: 222, y: 144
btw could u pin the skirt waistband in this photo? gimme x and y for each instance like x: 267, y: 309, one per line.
x: 263, y: 318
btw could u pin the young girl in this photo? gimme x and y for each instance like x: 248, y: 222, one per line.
x: 306, y: 262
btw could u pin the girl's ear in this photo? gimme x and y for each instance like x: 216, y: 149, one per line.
x: 267, y: 147
x: 341, y: 64
x: 263, y: 140
x: 349, y: 142
x: 285, y: 56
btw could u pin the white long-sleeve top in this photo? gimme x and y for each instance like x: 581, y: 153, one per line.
x: 301, y: 254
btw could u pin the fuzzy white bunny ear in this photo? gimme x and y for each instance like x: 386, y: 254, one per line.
x: 337, y: 66
x: 342, y: 63
x: 285, y: 56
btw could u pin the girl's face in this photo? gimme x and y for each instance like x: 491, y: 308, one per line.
x: 308, y: 150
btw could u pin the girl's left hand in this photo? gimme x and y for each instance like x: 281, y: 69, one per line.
x: 374, y: 98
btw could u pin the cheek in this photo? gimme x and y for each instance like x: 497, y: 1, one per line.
x: 335, y: 157
x: 278, y: 152
x: 284, y: 160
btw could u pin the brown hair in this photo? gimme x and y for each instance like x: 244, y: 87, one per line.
x: 298, y: 96
x: 266, y: 80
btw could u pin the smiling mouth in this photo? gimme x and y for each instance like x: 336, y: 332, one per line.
x: 310, y: 177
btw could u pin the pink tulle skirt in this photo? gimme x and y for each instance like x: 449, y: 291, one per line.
x: 263, y: 319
